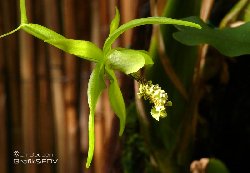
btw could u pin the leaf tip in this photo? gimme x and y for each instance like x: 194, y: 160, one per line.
x: 198, y: 26
x: 121, y: 130
x: 115, y: 22
x: 87, y: 164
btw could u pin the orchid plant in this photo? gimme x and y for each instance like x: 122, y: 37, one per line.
x: 108, y: 60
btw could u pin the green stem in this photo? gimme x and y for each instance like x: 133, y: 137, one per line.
x: 24, y: 19
x: 138, y: 77
x: 11, y: 32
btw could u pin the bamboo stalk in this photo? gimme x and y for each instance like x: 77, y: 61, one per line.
x: 70, y: 90
x: 3, y: 115
x: 83, y: 31
x: 45, y: 120
x: 102, y: 115
x: 83, y: 101
x: 104, y: 20
x: 100, y: 112
x: 206, y: 8
x: 97, y: 36
x: 111, y: 6
x: 128, y: 11
x: 45, y: 132
x: 99, y: 136
x: 52, y: 20
x: 12, y: 84
x: 28, y: 97
x: 110, y: 144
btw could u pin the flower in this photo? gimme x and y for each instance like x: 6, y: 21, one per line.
x: 156, y: 96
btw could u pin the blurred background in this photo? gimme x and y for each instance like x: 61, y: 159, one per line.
x: 43, y: 91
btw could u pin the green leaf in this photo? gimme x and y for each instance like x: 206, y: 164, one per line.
x: 80, y: 48
x: 147, y: 57
x: 142, y: 21
x: 24, y: 19
x: 228, y: 41
x: 41, y: 32
x: 95, y: 87
x: 126, y: 60
x: 216, y: 166
x: 116, y: 100
x: 83, y: 49
x: 115, y: 22
x: 38, y: 31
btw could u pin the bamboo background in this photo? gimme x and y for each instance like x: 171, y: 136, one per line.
x: 43, y: 101
x: 43, y: 92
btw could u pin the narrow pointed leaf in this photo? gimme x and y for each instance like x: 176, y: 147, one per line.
x: 83, y: 49
x: 41, y: 32
x: 115, y: 22
x: 143, y: 21
x: 228, y: 41
x: 116, y: 100
x: 127, y: 60
x: 80, y: 48
x: 95, y: 87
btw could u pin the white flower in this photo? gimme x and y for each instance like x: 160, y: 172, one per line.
x: 157, y: 97
x: 156, y: 114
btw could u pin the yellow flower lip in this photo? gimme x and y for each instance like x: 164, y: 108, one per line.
x: 156, y: 96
